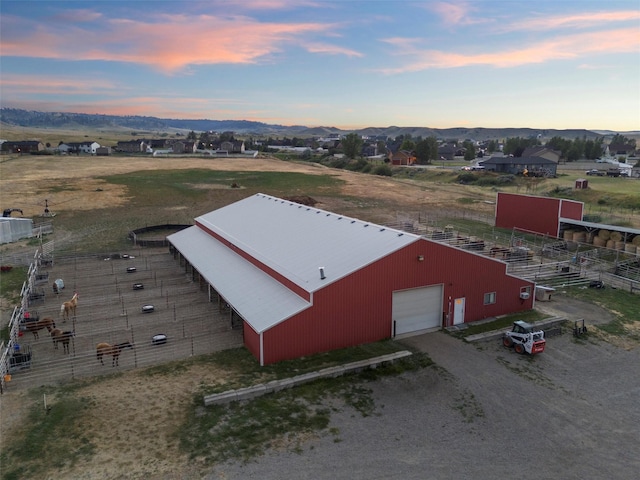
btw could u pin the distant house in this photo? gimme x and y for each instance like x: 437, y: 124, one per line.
x: 446, y: 152
x: 402, y: 157
x: 618, y: 150
x: 235, y: 146
x: 23, y: 146
x: 544, y: 152
x: 79, y: 147
x: 131, y: 146
x: 529, y: 166
x: 184, y: 147
x: 103, y: 151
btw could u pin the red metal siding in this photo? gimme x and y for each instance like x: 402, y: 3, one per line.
x: 535, y: 214
x: 571, y: 209
x: 357, y: 309
x: 251, y: 340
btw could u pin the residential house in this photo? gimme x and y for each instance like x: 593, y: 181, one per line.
x: 23, y: 146
x: 184, y: 147
x: 620, y: 150
x: 402, y: 157
x: 235, y: 146
x: 528, y: 166
x: 542, y: 151
x: 79, y: 147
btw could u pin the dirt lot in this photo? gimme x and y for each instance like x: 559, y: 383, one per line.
x: 483, y: 412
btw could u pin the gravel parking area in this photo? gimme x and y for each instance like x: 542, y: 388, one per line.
x: 483, y: 412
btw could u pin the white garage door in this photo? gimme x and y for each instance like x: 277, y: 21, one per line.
x: 417, y: 309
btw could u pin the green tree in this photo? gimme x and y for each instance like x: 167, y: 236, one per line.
x: 423, y: 152
x: 352, y: 145
x: 408, y: 145
x: 621, y: 139
x: 470, y: 150
x: 192, y: 136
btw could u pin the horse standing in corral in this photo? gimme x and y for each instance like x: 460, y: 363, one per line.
x: 113, y: 350
x: 59, y: 336
x: 69, y: 307
x: 34, y: 327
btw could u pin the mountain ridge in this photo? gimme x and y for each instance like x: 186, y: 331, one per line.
x: 36, y: 119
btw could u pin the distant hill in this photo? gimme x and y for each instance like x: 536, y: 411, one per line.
x: 65, y: 120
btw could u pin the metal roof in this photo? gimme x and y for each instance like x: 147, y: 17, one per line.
x: 517, y: 161
x: 604, y: 226
x: 292, y: 239
x: 258, y: 298
x: 296, y: 240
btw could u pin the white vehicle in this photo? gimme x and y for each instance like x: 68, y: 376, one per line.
x: 523, y: 338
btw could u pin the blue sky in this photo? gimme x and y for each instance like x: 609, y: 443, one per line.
x: 349, y: 64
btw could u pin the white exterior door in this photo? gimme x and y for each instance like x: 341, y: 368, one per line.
x: 417, y: 309
x: 458, y: 311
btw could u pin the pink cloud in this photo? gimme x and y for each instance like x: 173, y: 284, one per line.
x: 454, y: 13
x: 169, y: 43
x: 595, y: 19
x: 563, y: 47
x: 331, y: 50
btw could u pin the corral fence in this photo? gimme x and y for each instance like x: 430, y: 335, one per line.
x: 548, y: 261
x: 113, y: 309
x: 144, y: 237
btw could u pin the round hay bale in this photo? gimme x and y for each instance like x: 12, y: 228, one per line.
x: 568, y: 235
x: 619, y: 245
x: 579, y: 237
x: 636, y: 240
x: 599, y: 241
x: 630, y: 248
x: 604, y: 234
x: 615, y: 236
x: 610, y: 244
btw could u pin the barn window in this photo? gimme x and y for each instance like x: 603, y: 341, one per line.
x: 490, y: 298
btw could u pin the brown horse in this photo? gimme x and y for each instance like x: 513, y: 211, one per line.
x: 69, y: 307
x: 34, y: 327
x: 59, y: 336
x: 113, y: 350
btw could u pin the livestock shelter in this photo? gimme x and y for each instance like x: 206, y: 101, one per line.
x: 531, y: 213
x: 305, y: 280
x: 561, y: 218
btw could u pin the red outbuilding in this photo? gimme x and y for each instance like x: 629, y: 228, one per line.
x: 542, y: 215
x: 305, y: 280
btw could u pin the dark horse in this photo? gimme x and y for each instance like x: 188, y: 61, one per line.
x: 59, y: 336
x: 35, y: 326
x: 113, y: 350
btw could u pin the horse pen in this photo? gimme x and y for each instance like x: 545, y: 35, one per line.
x: 114, y: 296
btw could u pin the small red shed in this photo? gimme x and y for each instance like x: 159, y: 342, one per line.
x: 582, y: 183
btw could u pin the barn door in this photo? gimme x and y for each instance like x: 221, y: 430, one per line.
x: 417, y: 309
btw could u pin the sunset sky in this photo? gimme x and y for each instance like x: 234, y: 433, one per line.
x: 349, y: 64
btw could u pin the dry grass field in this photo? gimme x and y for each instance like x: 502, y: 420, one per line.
x: 132, y: 417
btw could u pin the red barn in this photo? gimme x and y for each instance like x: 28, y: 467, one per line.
x: 305, y: 280
x: 535, y: 214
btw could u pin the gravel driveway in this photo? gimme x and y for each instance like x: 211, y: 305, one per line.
x: 483, y: 412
